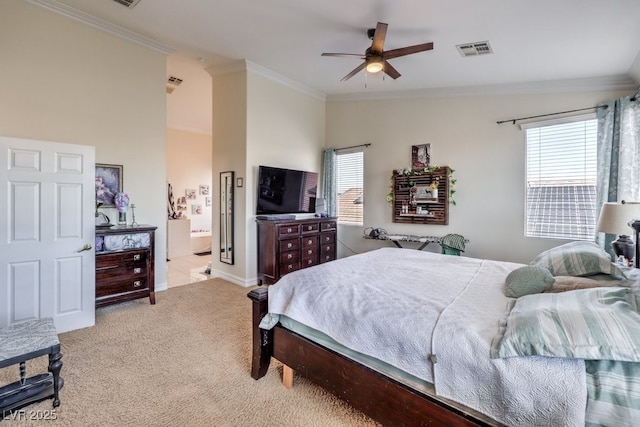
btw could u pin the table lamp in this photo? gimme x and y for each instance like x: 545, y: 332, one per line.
x: 635, y: 224
x: 614, y: 219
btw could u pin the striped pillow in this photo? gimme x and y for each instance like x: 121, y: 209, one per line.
x: 577, y: 259
x: 592, y: 324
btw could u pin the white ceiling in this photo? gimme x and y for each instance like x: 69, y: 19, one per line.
x: 557, y: 44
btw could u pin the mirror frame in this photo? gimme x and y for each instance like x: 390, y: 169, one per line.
x: 226, y: 217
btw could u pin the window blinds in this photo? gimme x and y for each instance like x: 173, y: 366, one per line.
x: 561, y: 180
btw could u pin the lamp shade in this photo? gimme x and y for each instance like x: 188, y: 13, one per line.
x: 614, y: 217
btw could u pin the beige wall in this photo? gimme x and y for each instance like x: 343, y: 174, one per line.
x: 488, y: 160
x: 259, y: 121
x: 65, y: 81
x: 188, y: 166
x: 229, y: 154
x: 286, y: 129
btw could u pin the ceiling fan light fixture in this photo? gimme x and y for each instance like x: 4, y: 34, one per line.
x: 374, y: 65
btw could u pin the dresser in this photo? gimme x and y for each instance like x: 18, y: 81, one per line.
x: 289, y: 245
x: 125, y: 264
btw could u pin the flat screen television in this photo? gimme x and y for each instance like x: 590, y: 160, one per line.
x: 286, y: 191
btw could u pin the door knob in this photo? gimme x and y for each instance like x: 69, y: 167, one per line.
x: 86, y: 247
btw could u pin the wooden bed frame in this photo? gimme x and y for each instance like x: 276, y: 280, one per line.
x: 381, y: 398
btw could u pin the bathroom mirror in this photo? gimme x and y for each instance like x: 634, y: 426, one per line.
x: 226, y: 217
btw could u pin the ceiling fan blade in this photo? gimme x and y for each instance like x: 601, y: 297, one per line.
x: 378, y: 37
x: 345, y: 55
x: 395, y: 53
x: 354, y: 72
x: 390, y: 71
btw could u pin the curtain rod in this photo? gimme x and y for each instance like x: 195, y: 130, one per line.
x: 353, y: 146
x: 513, y: 121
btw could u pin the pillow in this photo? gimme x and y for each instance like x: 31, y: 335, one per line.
x: 529, y: 279
x: 577, y: 259
x: 592, y: 324
x: 572, y: 283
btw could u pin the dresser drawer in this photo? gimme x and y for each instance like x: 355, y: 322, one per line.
x: 121, y: 258
x: 310, y: 227
x: 329, y: 225
x: 327, y: 237
x: 128, y: 270
x: 309, y: 242
x: 119, y: 286
x: 289, y: 245
x: 288, y: 230
x: 289, y: 267
x: 309, y: 262
x: 289, y: 257
x: 327, y: 252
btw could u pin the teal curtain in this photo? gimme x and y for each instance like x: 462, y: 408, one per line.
x: 618, y: 156
x: 329, y: 181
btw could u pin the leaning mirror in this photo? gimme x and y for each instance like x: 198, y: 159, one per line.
x: 226, y: 217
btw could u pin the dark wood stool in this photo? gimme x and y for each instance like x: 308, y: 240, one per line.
x: 21, y: 342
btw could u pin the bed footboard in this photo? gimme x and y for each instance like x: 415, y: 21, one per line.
x: 262, y: 348
x: 382, y: 398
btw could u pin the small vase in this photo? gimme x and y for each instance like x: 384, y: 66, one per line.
x: 434, y: 193
x: 122, y: 218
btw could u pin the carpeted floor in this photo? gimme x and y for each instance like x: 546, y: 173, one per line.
x: 182, y: 362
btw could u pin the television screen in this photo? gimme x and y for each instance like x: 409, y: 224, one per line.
x: 286, y: 191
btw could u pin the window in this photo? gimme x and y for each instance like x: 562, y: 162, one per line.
x: 349, y: 184
x: 561, y: 180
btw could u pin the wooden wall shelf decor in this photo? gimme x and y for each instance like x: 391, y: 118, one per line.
x: 414, y: 201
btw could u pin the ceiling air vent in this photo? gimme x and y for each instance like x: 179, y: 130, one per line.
x: 172, y: 83
x: 474, y: 49
x: 128, y: 3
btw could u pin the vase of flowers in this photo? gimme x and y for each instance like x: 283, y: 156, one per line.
x: 434, y: 188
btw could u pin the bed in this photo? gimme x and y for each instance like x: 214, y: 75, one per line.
x: 417, y: 338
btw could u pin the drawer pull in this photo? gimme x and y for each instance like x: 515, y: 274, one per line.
x: 136, y: 257
x: 289, y: 256
x: 289, y: 230
x: 310, y: 251
x: 137, y: 284
x: 290, y: 267
x: 310, y: 262
x: 310, y: 228
x: 328, y: 248
x: 327, y: 238
x: 289, y: 245
x: 309, y: 242
x: 137, y: 270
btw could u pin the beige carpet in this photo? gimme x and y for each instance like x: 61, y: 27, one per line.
x: 183, y: 362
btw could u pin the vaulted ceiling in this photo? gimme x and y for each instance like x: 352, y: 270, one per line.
x: 536, y: 45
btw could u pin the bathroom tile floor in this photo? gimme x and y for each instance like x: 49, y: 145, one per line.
x: 187, y: 269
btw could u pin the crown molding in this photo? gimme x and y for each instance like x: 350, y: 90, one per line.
x: 592, y: 84
x: 101, y: 24
x: 246, y: 65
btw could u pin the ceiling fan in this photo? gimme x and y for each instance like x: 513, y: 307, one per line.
x: 375, y: 58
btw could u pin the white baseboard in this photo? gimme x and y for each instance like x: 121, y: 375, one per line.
x: 245, y: 283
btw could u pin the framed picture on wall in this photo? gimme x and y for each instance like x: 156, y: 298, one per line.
x: 190, y: 194
x: 108, y: 183
x: 420, y: 156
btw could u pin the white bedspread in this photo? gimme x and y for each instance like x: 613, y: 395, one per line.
x: 519, y: 391
x: 395, y: 304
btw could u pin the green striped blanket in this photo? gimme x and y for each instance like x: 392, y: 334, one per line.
x: 599, y: 325
x: 613, y: 390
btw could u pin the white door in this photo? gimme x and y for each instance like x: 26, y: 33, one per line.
x: 47, y: 199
